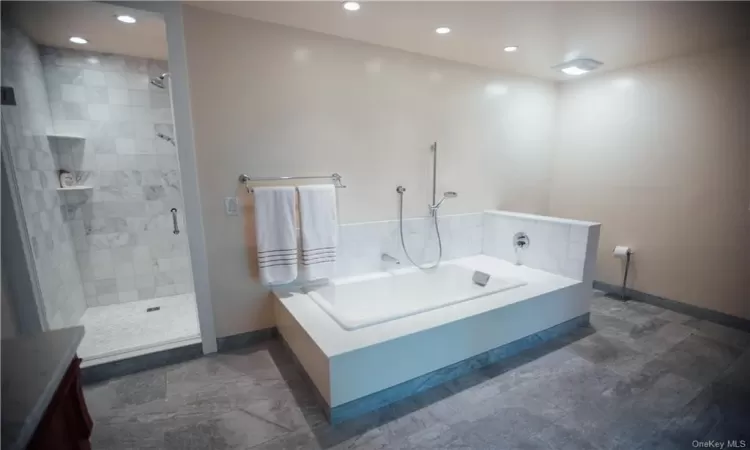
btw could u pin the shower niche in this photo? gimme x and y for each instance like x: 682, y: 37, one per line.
x: 68, y: 153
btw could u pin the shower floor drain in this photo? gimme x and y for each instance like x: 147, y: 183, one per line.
x: 153, y: 308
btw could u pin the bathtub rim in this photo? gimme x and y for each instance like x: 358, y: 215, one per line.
x: 333, y: 340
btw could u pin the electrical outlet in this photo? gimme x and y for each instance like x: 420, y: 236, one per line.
x: 231, y: 206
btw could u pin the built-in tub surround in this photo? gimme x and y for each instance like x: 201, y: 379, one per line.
x: 351, y: 366
x: 106, y: 117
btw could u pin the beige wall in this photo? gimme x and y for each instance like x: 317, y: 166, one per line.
x: 660, y: 155
x: 272, y: 100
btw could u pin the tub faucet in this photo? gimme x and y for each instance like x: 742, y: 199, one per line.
x: 388, y: 258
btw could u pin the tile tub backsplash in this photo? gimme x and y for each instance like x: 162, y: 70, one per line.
x: 560, y: 246
x: 361, y: 244
x: 106, y: 116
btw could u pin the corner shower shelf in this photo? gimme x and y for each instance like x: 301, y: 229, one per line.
x: 75, y: 188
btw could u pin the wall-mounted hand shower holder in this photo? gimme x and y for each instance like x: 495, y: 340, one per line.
x: 166, y: 138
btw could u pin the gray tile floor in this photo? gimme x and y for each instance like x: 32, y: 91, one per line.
x: 640, y: 378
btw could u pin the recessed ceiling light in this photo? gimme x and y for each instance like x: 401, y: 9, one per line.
x: 126, y: 19
x: 78, y: 40
x: 511, y: 48
x: 578, y: 66
x: 574, y: 70
x: 351, y: 6
x: 442, y: 30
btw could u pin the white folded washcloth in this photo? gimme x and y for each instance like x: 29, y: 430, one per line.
x: 319, y: 224
x: 276, y: 234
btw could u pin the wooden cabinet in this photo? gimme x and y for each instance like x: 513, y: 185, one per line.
x: 66, y: 424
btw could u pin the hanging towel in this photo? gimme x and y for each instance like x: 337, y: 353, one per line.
x: 317, y: 205
x: 276, y: 234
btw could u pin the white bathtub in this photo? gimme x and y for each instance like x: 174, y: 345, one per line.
x: 350, y: 364
x: 359, y: 302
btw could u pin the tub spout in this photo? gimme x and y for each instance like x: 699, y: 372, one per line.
x: 388, y: 258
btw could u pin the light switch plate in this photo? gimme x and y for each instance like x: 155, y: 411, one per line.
x: 231, y: 206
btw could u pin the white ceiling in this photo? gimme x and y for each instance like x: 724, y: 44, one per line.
x: 53, y: 23
x: 620, y: 34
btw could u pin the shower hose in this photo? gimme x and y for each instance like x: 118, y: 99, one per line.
x: 403, y: 244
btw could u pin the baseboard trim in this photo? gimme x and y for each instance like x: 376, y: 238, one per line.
x: 114, y: 369
x: 242, y: 340
x: 677, y: 306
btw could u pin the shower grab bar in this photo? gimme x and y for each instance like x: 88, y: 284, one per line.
x: 335, y: 178
x: 174, y: 220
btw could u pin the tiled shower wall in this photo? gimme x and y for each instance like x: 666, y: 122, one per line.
x: 107, y: 115
x: 28, y: 151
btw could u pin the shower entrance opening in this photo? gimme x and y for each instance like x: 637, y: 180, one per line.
x: 90, y: 153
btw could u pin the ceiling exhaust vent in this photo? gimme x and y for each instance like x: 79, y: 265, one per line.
x: 578, y: 66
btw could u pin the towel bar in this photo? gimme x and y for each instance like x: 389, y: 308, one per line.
x: 335, y: 178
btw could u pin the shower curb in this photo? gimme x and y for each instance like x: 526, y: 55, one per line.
x: 684, y: 308
x: 140, y: 363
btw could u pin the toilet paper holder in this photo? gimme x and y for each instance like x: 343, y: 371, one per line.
x: 623, y: 252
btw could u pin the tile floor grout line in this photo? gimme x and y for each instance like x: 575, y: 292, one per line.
x: 555, y: 395
x: 266, y: 420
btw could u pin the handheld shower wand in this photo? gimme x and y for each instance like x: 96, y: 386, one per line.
x: 446, y: 195
x: 433, y: 212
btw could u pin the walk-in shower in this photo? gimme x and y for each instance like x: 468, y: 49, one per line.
x: 104, y: 250
x: 433, y: 208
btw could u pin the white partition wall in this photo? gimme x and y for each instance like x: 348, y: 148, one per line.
x: 561, y: 246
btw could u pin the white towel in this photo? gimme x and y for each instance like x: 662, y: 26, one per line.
x: 276, y: 234
x: 317, y: 207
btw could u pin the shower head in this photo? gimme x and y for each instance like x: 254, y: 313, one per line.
x: 448, y: 194
x: 159, y: 81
